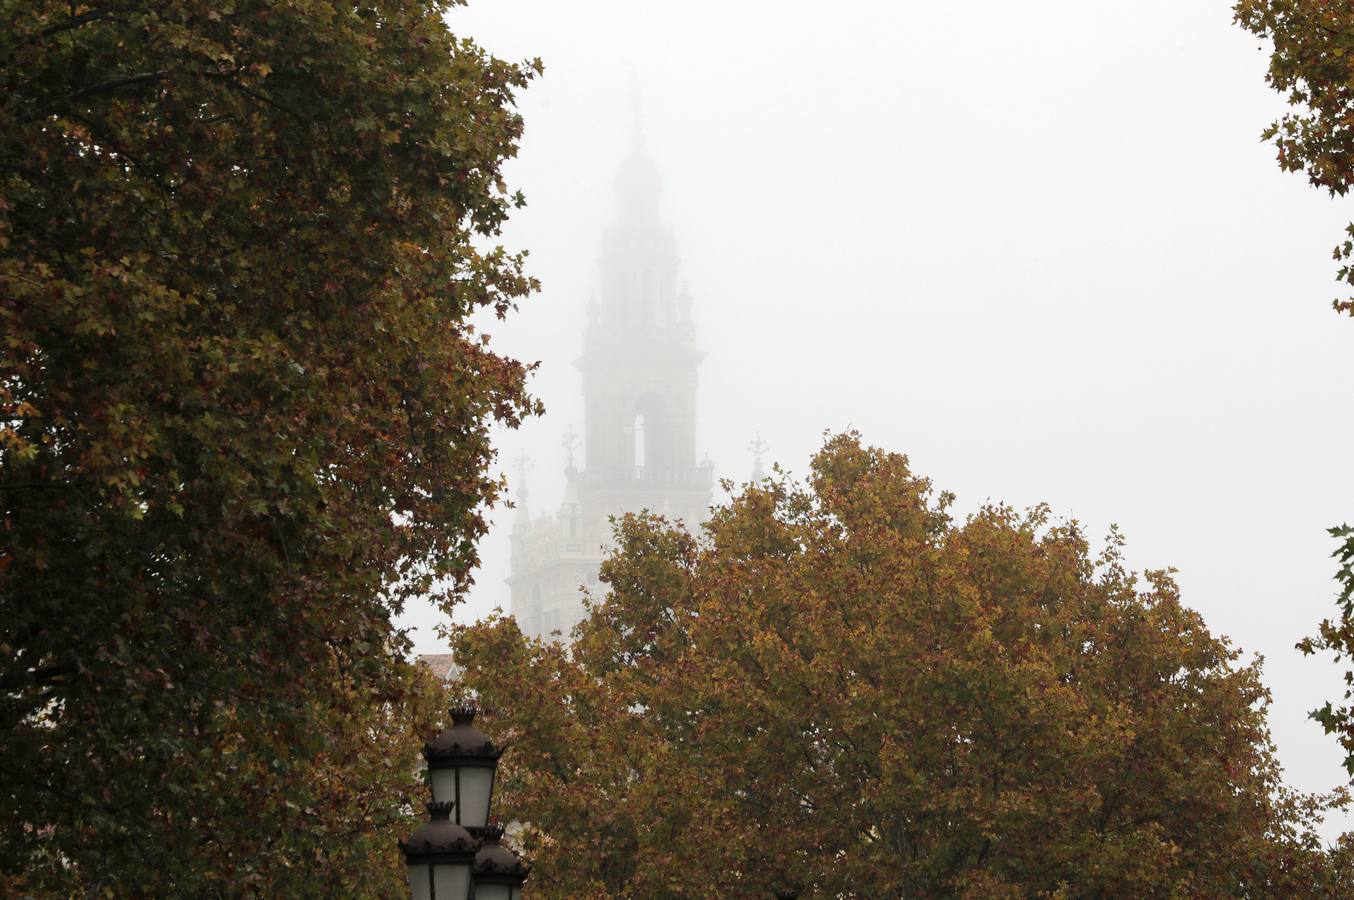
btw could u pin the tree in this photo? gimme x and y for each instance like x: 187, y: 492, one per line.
x: 841, y: 689
x: 1312, y: 64
x: 245, y: 419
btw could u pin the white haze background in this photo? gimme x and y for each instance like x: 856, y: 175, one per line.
x: 1038, y: 247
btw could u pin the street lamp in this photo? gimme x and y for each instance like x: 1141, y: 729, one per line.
x: 457, y: 855
x: 461, y: 764
x: 499, y: 873
x: 440, y: 856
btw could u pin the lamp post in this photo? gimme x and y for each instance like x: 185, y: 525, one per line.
x: 457, y: 855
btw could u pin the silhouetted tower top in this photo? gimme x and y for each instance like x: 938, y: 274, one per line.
x: 639, y: 357
x: 639, y: 291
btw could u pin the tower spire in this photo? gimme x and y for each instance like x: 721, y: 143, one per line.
x: 636, y: 115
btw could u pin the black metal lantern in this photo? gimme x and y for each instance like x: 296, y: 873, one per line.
x: 440, y: 856
x: 461, y: 764
x: 499, y: 873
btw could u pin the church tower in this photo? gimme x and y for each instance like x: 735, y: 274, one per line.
x: 639, y: 368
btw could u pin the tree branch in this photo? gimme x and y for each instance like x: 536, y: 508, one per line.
x: 69, y: 24
x: 116, y: 84
x: 102, y: 87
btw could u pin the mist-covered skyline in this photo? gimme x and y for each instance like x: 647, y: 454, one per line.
x: 1041, y: 250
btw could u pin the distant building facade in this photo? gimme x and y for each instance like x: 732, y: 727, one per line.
x: 639, y: 368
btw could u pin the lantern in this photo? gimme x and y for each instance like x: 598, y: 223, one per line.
x: 440, y: 856
x: 499, y: 873
x: 461, y: 764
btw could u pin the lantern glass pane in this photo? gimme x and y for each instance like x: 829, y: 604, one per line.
x: 418, y: 882
x: 516, y: 893
x: 493, y: 892
x: 451, y: 882
x: 473, y: 807
x: 443, y: 783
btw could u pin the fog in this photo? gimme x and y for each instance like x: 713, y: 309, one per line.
x: 1037, y: 247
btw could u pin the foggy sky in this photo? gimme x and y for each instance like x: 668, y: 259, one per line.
x: 1037, y: 247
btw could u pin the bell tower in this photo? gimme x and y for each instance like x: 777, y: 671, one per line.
x: 639, y: 371
x: 639, y: 365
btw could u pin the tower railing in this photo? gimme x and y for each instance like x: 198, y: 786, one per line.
x: 694, y: 477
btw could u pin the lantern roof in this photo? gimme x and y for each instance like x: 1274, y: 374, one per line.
x: 439, y: 838
x: 461, y: 743
x: 494, y: 862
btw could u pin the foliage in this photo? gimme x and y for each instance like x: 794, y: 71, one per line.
x: 1338, y: 637
x: 844, y: 690
x: 245, y: 418
x: 1313, y: 64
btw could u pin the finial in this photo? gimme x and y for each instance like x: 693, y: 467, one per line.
x: 522, y: 521
x: 758, y: 447
x: 523, y: 467
x: 570, y: 443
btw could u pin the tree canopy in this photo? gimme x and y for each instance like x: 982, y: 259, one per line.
x: 840, y: 688
x: 1312, y: 64
x: 245, y: 418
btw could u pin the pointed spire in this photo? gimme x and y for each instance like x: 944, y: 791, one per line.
x: 637, y: 182
x: 636, y: 116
